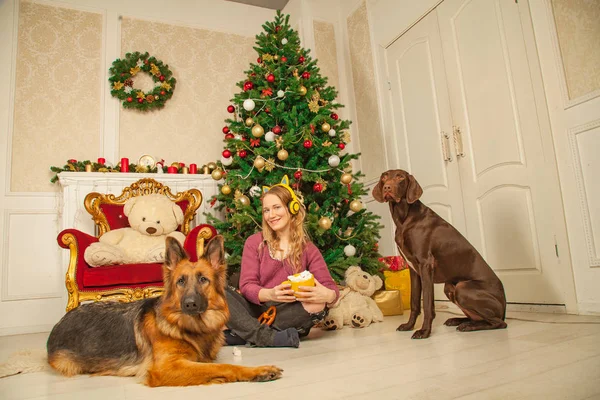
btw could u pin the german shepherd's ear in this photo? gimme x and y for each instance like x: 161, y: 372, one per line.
x: 377, y: 195
x: 215, y: 252
x: 414, y: 190
x: 174, y: 253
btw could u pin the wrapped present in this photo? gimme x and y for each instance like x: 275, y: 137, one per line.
x: 399, y: 280
x: 394, y: 263
x: 389, y: 302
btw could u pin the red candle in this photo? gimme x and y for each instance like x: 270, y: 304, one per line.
x: 124, y: 164
x: 171, y: 170
x: 193, y: 168
x: 101, y: 161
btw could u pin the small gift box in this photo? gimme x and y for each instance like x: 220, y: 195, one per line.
x: 389, y: 302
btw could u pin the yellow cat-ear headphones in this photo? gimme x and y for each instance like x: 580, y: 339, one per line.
x: 294, y: 204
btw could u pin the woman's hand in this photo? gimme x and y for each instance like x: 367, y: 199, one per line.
x: 315, y: 294
x: 281, y: 293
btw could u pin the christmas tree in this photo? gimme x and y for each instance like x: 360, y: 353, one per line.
x: 284, y: 123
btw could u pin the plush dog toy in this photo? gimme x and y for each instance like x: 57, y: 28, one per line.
x: 355, y: 307
x: 152, y: 218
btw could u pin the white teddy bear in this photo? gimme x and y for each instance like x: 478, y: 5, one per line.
x: 152, y: 218
x: 355, y: 307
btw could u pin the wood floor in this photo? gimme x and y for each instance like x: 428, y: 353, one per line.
x: 539, y: 356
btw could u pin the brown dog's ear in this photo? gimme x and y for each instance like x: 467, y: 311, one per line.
x: 377, y: 195
x: 174, y: 253
x: 414, y: 191
x: 215, y: 252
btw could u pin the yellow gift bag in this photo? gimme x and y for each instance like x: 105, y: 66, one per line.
x: 399, y: 280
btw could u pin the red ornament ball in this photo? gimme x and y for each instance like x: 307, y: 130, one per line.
x: 248, y: 85
x: 283, y: 59
x: 276, y: 129
x: 230, y: 109
x: 307, y: 144
x: 242, y: 153
x: 259, y: 60
x: 334, y: 116
x: 296, y: 186
x: 317, y: 187
x: 140, y: 100
x: 161, y: 78
x: 226, y: 153
x: 129, y: 99
x: 146, y: 62
x: 341, y: 146
x: 270, y: 78
x: 301, y: 59
x: 229, y: 136
x: 277, y: 28
x: 162, y: 92
x: 298, y: 175
x: 225, y: 129
x: 267, y: 110
x: 305, y: 75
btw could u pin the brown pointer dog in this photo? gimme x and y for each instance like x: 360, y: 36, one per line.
x: 437, y: 253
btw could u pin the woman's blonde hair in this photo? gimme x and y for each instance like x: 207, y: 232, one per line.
x: 298, y: 235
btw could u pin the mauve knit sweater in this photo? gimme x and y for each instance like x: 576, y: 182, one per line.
x: 260, y: 271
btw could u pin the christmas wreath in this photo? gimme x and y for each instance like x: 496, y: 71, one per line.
x: 124, y: 70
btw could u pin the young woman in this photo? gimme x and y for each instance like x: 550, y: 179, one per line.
x: 269, y: 257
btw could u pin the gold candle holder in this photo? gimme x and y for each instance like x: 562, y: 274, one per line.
x: 185, y: 170
x: 88, y: 167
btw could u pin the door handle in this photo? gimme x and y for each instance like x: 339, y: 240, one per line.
x: 458, y: 143
x: 446, y: 147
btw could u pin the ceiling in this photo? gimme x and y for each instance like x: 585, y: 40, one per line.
x: 272, y: 4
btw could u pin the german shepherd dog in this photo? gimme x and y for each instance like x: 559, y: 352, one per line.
x: 169, y: 340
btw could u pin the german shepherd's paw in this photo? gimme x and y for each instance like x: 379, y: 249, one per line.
x: 267, y: 373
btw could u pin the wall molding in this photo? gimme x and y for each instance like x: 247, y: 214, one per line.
x: 594, y: 259
x: 4, y: 297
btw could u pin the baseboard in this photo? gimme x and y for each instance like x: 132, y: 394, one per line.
x: 25, y: 330
x: 539, y: 308
x: 589, y: 308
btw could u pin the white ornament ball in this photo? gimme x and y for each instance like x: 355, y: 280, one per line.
x: 331, y: 132
x: 249, y: 105
x: 237, y: 136
x: 255, y: 191
x: 349, y: 250
x: 280, y: 93
x: 284, y: 41
x: 270, y: 136
x: 334, y: 161
x: 226, y: 161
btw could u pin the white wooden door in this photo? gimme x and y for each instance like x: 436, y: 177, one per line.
x: 500, y: 189
x: 422, y: 119
x: 508, y: 173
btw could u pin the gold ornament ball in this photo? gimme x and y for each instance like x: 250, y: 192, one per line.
x: 282, y: 154
x: 259, y: 162
x: 249, y: 121
x: 244, y: 200
x: 275, y: 57
x: 325, y: 127
x: 211, y: 165
x: 225, y: 189
x: 257, y: 131
x: 325, y: 223
x: 302, y: 90
x: 217, y: 174
x: 356, y: 205
x: 346, y: 178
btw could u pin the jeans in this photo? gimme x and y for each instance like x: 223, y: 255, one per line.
x: 243, y: 320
